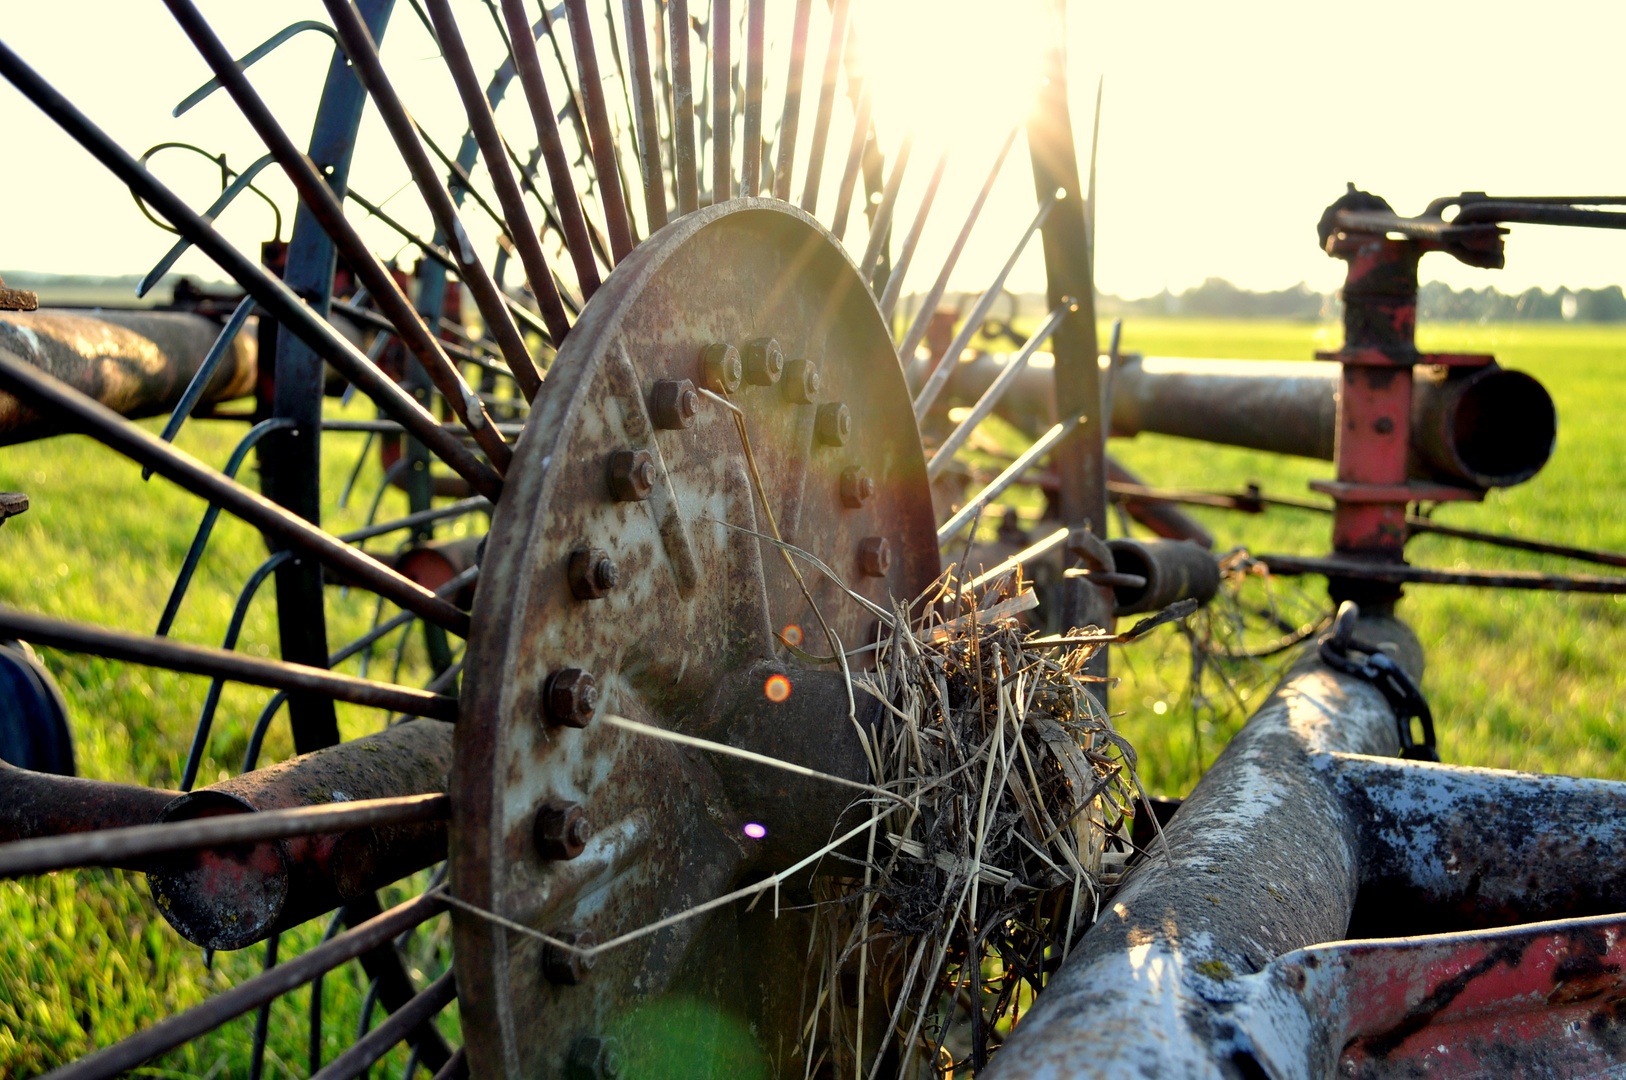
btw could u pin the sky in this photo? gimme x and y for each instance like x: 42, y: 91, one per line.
x: 1225, y: 129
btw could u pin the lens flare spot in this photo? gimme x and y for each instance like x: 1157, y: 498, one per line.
x: 792, y: 634
x: 777, y: 688
x: 755, y: 831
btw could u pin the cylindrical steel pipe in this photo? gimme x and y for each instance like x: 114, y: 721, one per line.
x: 1173, y: 570
x: 227, y: 898
x: 34, y: 805
x: 137, y: 363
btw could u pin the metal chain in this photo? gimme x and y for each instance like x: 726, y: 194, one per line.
x: 1380, y: 669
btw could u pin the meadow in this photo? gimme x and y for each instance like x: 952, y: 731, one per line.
x: 1524, y: 680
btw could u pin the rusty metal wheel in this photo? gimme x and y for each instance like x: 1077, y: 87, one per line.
x: 696, y: 374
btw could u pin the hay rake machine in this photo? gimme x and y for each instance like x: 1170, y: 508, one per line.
x: 695, y: 388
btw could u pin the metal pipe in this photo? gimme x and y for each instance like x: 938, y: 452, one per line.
x: 34, y: 804
x: 1170, y: 571
x: 229, y: 894
x: 135, y: 363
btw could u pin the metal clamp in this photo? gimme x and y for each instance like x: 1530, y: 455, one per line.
x: 1380, y: 669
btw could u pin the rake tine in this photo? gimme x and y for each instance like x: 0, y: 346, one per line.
x: 722, y: 114
x: 793, y: 102
x: 684, y: 164
x: 598, y: 126
x: 894, y: 282
x: 855, y: 159
x: 881, y: 227
x: 827, y: 99
x: 751, y: 151
x: 649, y: 134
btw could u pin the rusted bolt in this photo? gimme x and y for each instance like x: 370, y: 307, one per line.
x: 721, y: 369
x: 675, y: 403
x: 561, y: 967
x: 875, y: 556
x: 834, y: 424
x: 569, y: 697
x: 857, y: 486
x: 1293, y: 977
x: 1383, y: 425
x: 593, y: 1057
x: 562, y: 829
x: 592, y: 573
x: 801, y: 383
x: 764, y: 361
x: 632, y: 475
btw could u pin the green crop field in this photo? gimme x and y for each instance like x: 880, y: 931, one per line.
x: 1517, y: 680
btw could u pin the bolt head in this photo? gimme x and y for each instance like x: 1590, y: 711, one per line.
x: 764, y: 361
x: 675, y: 403
x: 561, y: 967
x: 801, y: 382
x: 875, y: 556
x: 593, y: 1057
x: 834, y: 424
x: 592, y: 573
x: 857, y: 487
x: 632, y: 475
x: 569, y: 697
x: 721, y: 369
x: 561, y: 830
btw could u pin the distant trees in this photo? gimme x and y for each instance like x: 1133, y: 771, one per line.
x: 1218, y: 298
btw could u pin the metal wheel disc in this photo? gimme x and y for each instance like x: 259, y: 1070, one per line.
x: 685, y: 638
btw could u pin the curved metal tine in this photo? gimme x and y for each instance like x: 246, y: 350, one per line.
x: 855, y: 158
x: 839, y: 33
x: 572, y: 222
x: 648, y: 123
x: 206, y: 371
x: 1089, y: 197
x: 355, y: 1062
x: 880, y: 227
x: 493, y: 305
x: 934, y: 296
x: 201, y: 539
x: 262, y: 1022
x: 685, y: 164
x: 314, y: 1049
x: 1013, y: 473
x: 211, y: 701
x: 996, y: 389
x: 973, y: 322
x: 663, y: 77
x: 792, y: 115
x: 242, y: 182
x: 422, y: 517
x: 894, y: 281
x: 98, y: 421
x: 107, y: 1063
x: 456, y: 1067
x: 254, y: 56
x: 484, y: 126
x: 751, y: 136
x: 722, y: 113
x: 364, y: 1023
x: 601, y: 142
x: 278, y: 301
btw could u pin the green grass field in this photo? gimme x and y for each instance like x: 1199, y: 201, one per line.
x: 1517, y: 680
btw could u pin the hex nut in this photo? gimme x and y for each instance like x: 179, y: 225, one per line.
x: 569, y: 697
x: 857, y: 487
x: 592, y: 573
x: 875, y: 556
x: 632, y: 475
x: 675, y: 403
x: 561, y: 967
x: 834, y: 424
x: 561, y: 830
x: 764, y: 361
x: 721, y: 369
x: 801, y: 382
x: 593, y: 1057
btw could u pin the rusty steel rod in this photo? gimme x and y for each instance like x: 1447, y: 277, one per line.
x: 791, y: 117
x: 934, y: 295
x: 326, y: 208
x: 880, y: 226
x: 827, y: 99
x: 572, y: 222
x: 722, y: 109
x: 1401, y: 574
x: 484, y: 126
x: 647, y: 119
x: 685, y: 163
x: 202, y: 660
x: 274, y: 297
x: 366, y: 1051
x: 499, y: 320
x: 145, y: 448
x: 1417, y: 524
x: 601, y: 142
x: 1013, y: 472
x: 751, y: 136
x: 272, y: 984
x: 855, y: 159
x: 894, y: 281
x: 133, y: 843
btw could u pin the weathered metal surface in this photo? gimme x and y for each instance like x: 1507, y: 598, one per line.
x: 137, y: 363
x: 1170, y: 571
x: 17, y: 299
x: 1482, y: 426
x: 226, y: 898
x: 34, y: 804
x: 694, y: 602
